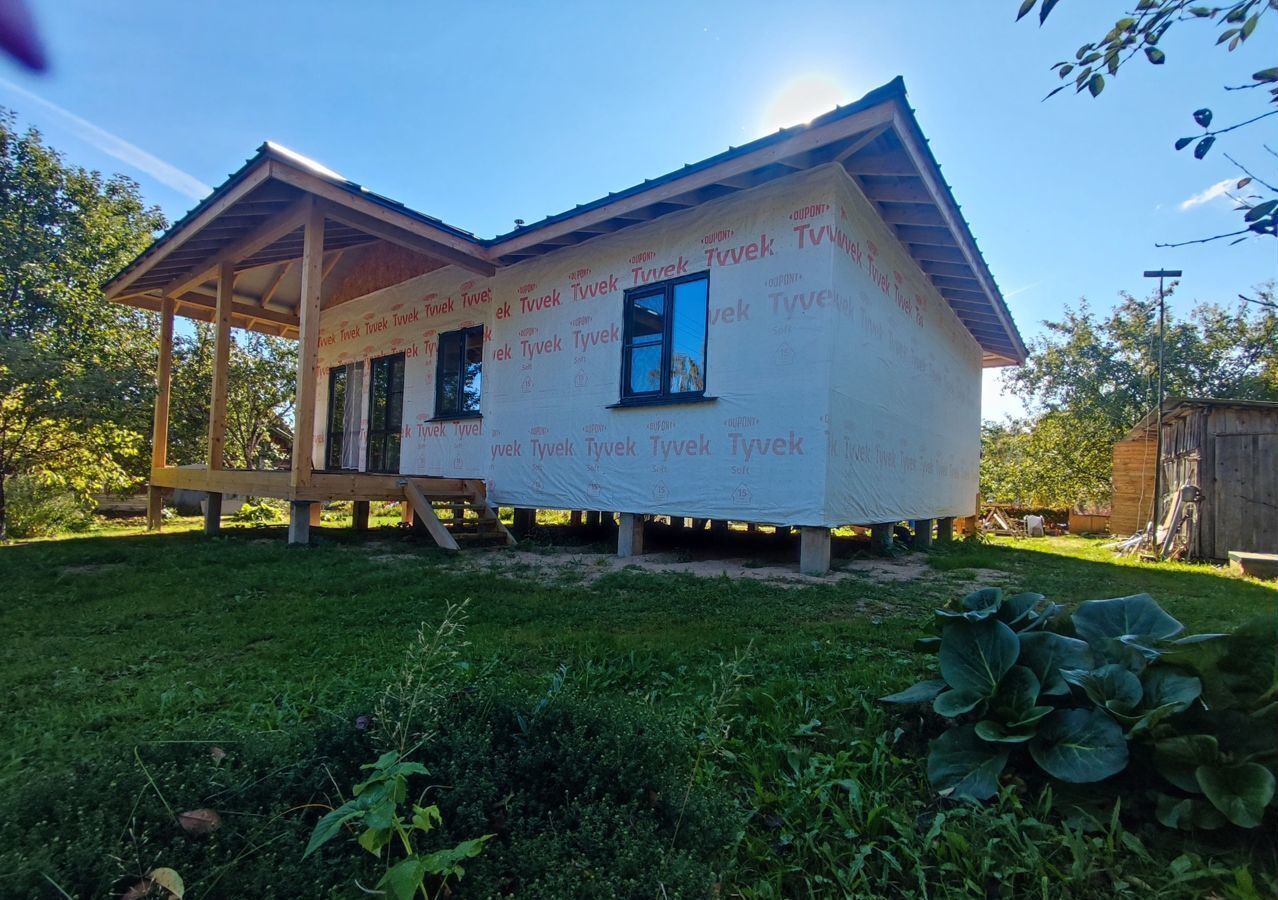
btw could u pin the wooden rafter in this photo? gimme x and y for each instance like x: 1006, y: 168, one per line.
x: 270, y: 231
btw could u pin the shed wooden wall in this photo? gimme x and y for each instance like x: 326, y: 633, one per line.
x: 1133, y: 485
x: 1239, y: 480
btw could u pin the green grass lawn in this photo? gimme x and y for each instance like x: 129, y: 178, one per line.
x: 119, y: 640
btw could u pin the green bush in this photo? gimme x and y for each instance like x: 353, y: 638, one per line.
x: 260, y: 512
x: 35, y: 509
x: 1189, y: 722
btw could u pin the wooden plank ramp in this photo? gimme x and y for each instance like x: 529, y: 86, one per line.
x: 467, y: 516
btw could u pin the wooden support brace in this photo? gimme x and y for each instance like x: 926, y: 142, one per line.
x: 814, y: 550
x: 718, y: 526
x: 574, y: 518
x: 426, y: 514
x: 945, y: 529
x: 594, y: 517
x: 317, y: 514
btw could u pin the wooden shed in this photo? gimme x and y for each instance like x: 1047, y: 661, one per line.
x: 1228, y: 449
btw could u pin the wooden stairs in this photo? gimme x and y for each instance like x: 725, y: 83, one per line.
x: 456, y: 518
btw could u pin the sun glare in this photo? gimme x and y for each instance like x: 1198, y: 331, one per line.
x: 802, y: 99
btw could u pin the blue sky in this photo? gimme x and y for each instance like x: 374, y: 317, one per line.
x: 484, y: 113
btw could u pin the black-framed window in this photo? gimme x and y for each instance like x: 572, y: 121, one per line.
x: 459, y: 373
x: 340, y: 450
x: 385, y: 412
x: 664, y: 346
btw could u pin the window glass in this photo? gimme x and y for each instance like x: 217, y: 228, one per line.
x: 459, y: 375
x: 648, y: 318
x: 386, y: 409
x: 688, y: 337
x: 645, y: 369
x: 472, y: 370
x: 664, y: 354
x: 336, y: 412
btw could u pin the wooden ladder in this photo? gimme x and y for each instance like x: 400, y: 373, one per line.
x: 467, y: 518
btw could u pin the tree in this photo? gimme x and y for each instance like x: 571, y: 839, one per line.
x: 1088, y: 380
x: 76, y: 371
x: 1139, y: 33
x: 259, y: 398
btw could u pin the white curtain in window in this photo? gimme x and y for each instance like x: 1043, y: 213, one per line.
x: 351, y: 415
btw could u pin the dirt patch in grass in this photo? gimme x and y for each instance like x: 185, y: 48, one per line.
x: 588, y: 567
x: 91, y: 569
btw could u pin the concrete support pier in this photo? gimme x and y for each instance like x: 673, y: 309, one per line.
x: 525, y: 520
x: 630, y: 536
x: 359, y: 515
x: 881, y: 538
x: 299, y: 522
x: 814, y: 550
x: 213, y: 513
x: 922, y: 534
x: 945, y: 529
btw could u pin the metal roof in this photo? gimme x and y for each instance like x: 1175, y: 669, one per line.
x: 1174, y: 405
x: 876, y: 138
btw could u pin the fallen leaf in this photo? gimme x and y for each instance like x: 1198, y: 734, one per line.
x: 199, y: 821
x: 218, y: 754
x: 169, y: 880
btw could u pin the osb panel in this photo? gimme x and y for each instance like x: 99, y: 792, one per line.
x: 372, y: 267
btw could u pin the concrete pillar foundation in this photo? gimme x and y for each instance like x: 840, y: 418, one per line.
x: 299, y: 522
x: 881, y: 538
x: 213, y: 513
x: 814, y: 550
x: 922, y: 534
x: 630, y: 536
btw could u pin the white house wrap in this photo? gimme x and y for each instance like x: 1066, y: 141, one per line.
x: 790, y: 332
x: 845, y: 389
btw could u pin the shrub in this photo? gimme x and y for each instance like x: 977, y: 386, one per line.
x: 35, y: 509
x: 1191, y: 721
x: 260, y: 511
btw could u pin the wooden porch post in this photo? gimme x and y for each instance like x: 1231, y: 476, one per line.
x: 217, y: 400
x: 308, y: 313
x: 303, y: 514
x: 160, y: 428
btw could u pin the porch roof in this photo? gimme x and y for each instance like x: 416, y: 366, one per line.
x: 876, y: 139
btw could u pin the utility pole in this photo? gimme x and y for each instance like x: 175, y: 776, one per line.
x: 1160, y: 274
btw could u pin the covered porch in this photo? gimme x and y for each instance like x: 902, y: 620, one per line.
x: 282, y: 240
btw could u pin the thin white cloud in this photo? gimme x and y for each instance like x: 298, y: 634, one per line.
x: 1219, y: 189
x: 117, y: 147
